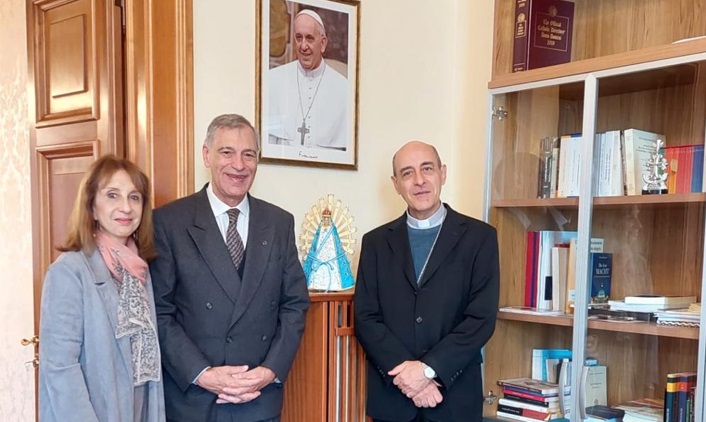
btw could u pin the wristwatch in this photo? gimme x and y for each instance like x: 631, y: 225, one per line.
x: 429, y: 372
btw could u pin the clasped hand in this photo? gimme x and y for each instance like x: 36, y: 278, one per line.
x: 236, y: 384
x: 410, y: 379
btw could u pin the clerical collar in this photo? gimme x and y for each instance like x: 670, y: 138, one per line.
x: 435, y: 220
x: 312, y: 73
x: 219, y: 207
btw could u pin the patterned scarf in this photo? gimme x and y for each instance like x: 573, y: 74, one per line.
x: 134, y: 315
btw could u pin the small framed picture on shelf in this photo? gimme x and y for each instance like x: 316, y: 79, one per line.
x: 307, y: 82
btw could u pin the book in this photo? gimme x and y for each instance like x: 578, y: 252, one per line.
x: 515, y: 393
x: 596, y: 388
x: 529, y: 311
x: 516, y: 417
x: 531, y: 385
x: 610, y: 171
x: 528, y: 413
x: 560, y: 264
x: 642, y: 410
x: 535, y: 400
x: 619, y: 305
x: 544, y: 363
x: 569, y: 175
x: 601, y: 268
x: 532, y: 254
x: 542, y: 33
x: 546, y: 167
x: 637, y: 147
x: 518, y: 404
x: 670, y: 397
x: 601, y: 412
x: 659, y: 300
x: 595, y: 246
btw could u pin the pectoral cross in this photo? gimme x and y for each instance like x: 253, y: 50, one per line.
x: 303, y: 130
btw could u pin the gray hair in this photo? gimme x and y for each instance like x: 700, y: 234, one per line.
x: 230, y: 121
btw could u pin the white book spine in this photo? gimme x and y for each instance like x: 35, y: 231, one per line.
x: 630, y: 161
x: 563, y: 166
x: 616, y: 164
x: 575, y: 166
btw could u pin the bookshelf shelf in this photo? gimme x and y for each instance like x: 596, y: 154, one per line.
x: 645, y: 328
x: 672, y: 199
x: 603, y: 201
x: 597, y: 64
x: 536, y: 203
x: 561, y: 320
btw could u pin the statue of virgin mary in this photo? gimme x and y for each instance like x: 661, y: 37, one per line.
x: 326, y: 265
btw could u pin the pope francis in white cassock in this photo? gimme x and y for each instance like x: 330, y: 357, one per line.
x: 308, y: 99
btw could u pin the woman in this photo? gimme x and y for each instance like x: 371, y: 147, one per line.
x: 99, y: 356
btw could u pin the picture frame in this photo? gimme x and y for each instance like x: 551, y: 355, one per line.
x: 307, y: 82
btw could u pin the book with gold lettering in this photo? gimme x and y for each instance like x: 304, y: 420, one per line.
x: 543, y: 33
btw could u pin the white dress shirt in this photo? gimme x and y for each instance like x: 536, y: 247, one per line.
x: 220, y: 211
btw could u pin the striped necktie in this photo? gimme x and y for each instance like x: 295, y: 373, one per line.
x: 233, y: 240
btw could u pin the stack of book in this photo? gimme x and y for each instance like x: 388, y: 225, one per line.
x: 682, y: 318
x: 651, y: 303
x: 689, y: 317
x: 530, y: 400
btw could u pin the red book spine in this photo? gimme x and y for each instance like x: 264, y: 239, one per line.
x: 542, y: 33
x: 531, y: 269
x: 521, y: 30
x: 525, y: 395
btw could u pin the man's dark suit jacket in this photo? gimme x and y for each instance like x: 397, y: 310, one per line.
x: 208, y: 316
x: 444, y: 321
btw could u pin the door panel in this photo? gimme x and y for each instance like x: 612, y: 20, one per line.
x: 66, y: 37
x: 61, y: 171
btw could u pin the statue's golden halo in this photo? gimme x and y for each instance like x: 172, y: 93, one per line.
x: 340, y: 216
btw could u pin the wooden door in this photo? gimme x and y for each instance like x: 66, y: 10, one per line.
x: 105, y: 76
x: 76, y: 109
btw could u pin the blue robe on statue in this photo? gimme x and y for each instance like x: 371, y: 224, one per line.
x: 326, y: 266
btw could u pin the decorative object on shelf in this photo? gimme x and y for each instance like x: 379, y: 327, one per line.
x: 543, y: 32
x: 655, y: 174
x: 307, y: 82
x: 326, y: 242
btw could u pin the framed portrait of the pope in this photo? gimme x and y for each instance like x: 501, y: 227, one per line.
x: 307, y: 82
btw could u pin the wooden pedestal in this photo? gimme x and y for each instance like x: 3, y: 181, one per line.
x: 327, y: 380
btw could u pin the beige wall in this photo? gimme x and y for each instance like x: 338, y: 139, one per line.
x: 16, y: 309
x: 423, y: 75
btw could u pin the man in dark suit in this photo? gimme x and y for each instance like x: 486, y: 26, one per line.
x: 426, y: 301
x: 230, y: 292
